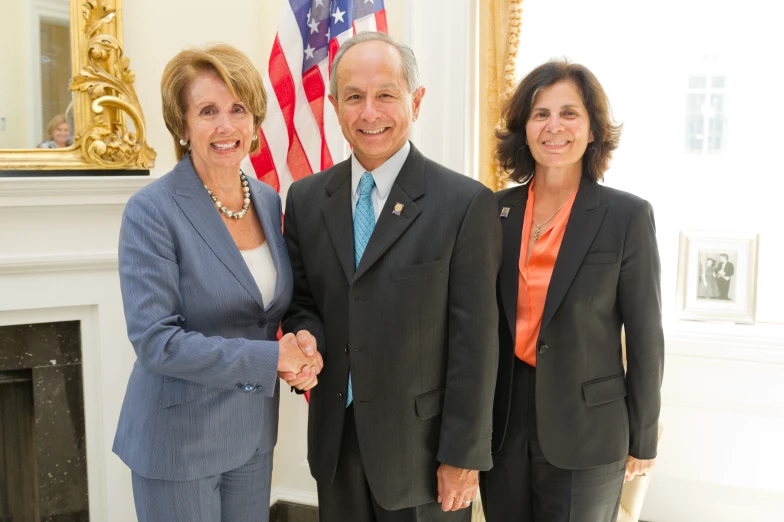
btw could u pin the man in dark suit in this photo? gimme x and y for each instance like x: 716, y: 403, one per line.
x: 724, y: 273
x: 395, y: 261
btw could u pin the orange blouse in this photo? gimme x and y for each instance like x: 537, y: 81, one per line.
x: 535, y: 276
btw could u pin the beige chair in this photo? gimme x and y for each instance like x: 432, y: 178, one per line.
x: 632, y: 495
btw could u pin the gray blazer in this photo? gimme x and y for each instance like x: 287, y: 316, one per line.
x: 203, y: 394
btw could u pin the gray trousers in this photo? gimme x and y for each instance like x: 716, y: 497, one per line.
x: 240, y: 494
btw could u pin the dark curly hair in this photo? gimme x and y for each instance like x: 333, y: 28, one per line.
x: 512, y: 152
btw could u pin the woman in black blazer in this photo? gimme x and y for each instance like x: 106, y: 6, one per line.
x: 580, y: 262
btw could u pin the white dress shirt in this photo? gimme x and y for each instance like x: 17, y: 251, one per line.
x: 384, y: 176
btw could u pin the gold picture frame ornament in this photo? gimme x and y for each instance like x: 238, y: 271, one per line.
x: 104, y: 96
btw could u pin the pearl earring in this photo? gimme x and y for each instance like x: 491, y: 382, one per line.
x: 183, y: 142
x: 255, y: 137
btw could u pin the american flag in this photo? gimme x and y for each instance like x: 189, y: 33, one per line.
x: 301, y: 134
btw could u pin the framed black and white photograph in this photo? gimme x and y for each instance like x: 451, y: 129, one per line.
x: 717, y: 276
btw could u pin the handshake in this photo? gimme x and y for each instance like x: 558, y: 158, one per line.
x: 299, y: 361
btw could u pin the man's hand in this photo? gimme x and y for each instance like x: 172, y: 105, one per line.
x: 636, y: 467
x: 305, y: 378
x: 456, y: 486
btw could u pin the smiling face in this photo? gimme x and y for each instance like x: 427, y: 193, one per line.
x: 61, y: 134
x: 558, y: 130
x: 374, y: 107
x: 218, y: 126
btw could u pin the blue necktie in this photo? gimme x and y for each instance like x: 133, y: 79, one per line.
x: 364, y: 222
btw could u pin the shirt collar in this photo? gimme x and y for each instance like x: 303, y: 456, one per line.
x: 384, y: 175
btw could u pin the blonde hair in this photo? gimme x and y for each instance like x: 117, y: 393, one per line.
x: 231, y: 66
x: 52, y: 125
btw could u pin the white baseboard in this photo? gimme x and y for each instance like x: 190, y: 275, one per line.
x: 295, y: 496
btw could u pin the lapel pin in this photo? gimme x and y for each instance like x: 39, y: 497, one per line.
x: 505, y: 212
x: 398, y: 209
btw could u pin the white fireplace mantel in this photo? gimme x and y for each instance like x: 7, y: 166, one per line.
x: 58, y: 262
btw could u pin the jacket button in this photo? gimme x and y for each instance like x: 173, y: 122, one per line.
x: 262, y: 323
x: 542, y: 349
x: 248, y: 387
x: 346, y: 348
x: 340, y: 396
x: 258, y: 388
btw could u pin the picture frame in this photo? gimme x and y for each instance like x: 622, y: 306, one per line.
x: 717, y: 276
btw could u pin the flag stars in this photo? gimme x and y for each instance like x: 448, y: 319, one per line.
x: 314, y: 26
x: 338, y: 15
x: 371, y: 1
x: 309, y: 52
x: 320, y: 3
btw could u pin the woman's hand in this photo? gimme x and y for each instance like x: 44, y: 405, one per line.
x: 302, y: 377
x: 636, y: 467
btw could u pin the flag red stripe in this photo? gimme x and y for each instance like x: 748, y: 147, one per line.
x: 381, y: 21
x: 313, y: 84
x: 297, y: 160
x: 283, y: 85
x: 264, y: 165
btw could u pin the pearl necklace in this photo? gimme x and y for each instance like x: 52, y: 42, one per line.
x: 246, y: 202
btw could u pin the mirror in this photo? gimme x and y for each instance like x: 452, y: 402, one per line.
x: 67, y: 100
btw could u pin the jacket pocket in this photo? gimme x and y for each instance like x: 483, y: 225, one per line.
x: 606, y: 389
x: 600, y: 258
x: 420, y: 270
x: 429, y: 404
x: 179, y: 391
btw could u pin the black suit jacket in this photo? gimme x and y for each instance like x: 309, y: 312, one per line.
x: 606, y: 276
x: 416, y: 322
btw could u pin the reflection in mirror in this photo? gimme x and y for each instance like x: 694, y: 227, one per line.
x: 67, y: 100
x: 55, y: 76
x: 35, y: 71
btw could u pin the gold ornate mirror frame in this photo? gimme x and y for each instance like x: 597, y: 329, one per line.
x: 103, y: 96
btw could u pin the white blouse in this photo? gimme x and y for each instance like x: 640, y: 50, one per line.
x: 262, y: 268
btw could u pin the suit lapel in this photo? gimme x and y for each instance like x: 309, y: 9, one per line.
x: 512, y: 228
x: 409, y: 186
x: 336, y: 211
x: 197, y: 206
x: 581, y: 229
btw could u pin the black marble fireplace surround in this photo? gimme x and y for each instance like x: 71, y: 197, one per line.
x: 43, y: 468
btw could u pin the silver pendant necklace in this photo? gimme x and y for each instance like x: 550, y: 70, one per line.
x: 540, y: 225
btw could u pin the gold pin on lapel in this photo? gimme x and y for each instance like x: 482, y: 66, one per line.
x: 505, y: 212
x: 398, y: 209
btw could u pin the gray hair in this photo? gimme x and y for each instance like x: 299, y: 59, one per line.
x: 410, y: 69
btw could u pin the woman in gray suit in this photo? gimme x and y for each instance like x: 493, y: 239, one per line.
x: 205, y: 279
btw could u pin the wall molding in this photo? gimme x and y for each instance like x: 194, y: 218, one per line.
x: 100, y: 260
x: 69, y: 191
x: 295, y: 496
x: 445, y: 129
x: 758, y: 343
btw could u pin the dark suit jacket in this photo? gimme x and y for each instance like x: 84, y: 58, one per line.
x: 416, y: 322
x: 606, y: 276
x: 729, y: 269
